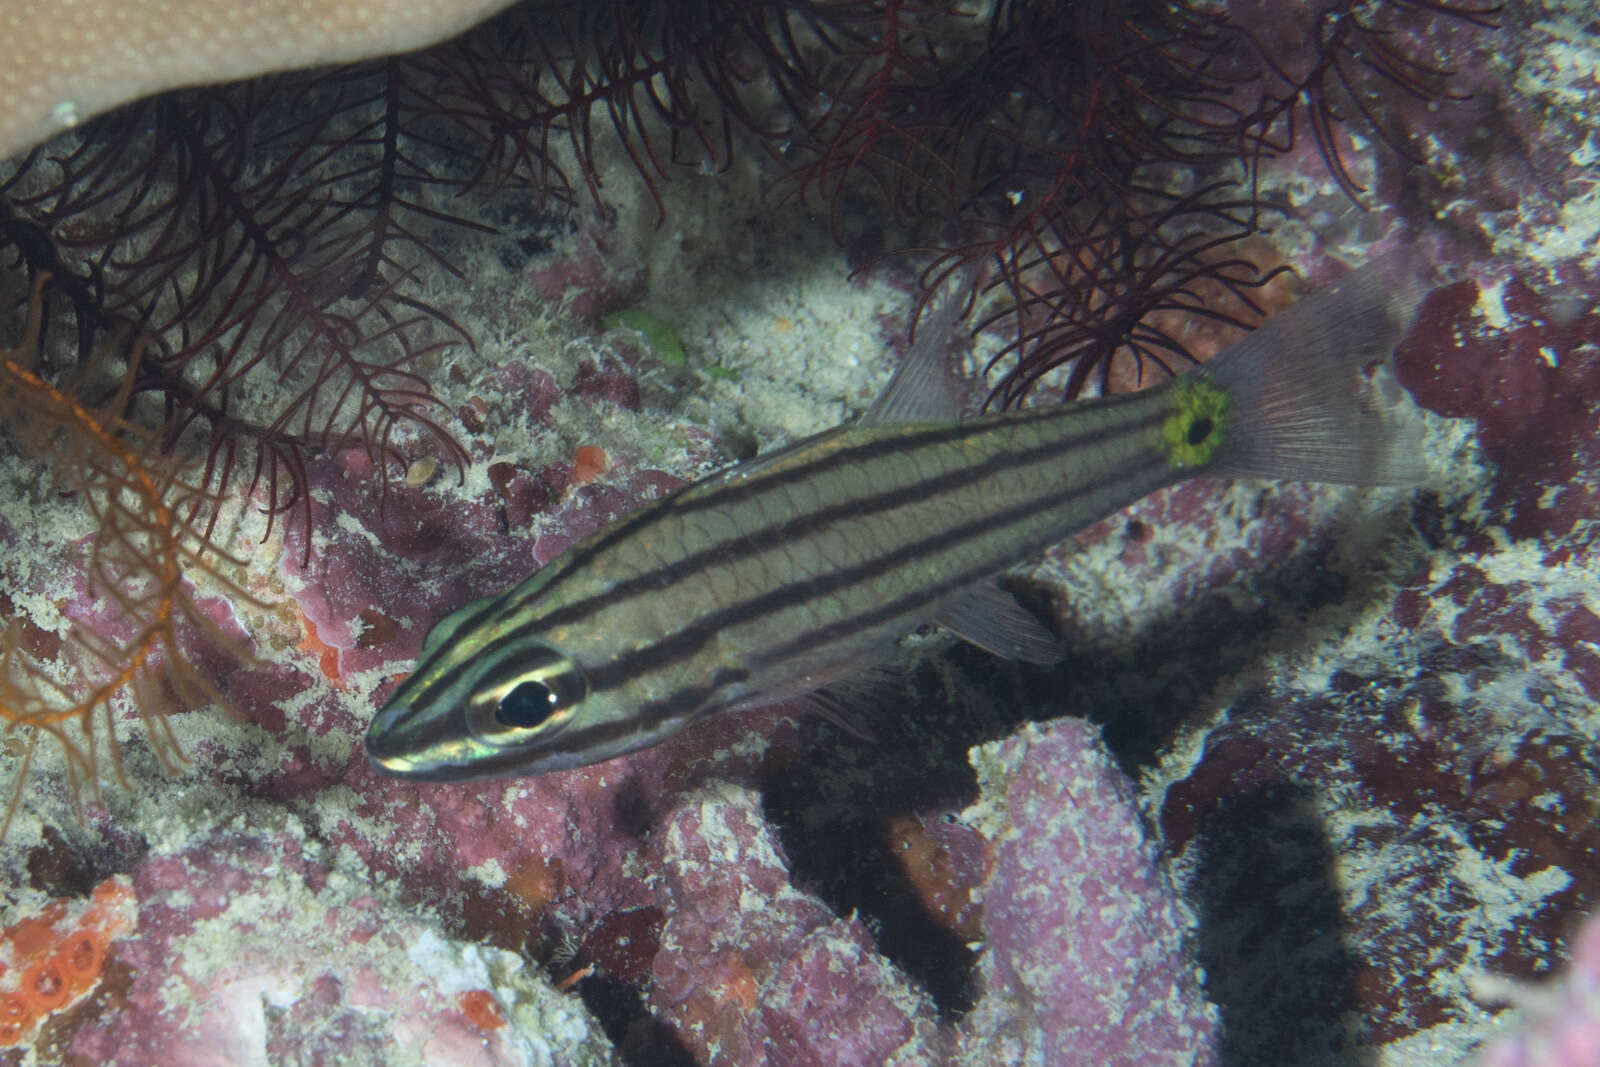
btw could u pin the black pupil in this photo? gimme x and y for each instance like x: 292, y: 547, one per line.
x: 529, y: 704
x: 1199, y: 430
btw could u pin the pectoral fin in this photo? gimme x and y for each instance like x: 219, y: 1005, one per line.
x: 991, y: 618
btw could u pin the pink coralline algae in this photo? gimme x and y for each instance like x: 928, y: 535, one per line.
x: 1085, y: 956
x: 1095, y: 971
x: 753, y: 970
x: 258, y: 942
x: 1519, y: 353
x: 1561, y: 1022
x: 256, y: 946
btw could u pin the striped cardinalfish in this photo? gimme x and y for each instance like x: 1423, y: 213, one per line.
x: 775, y: 577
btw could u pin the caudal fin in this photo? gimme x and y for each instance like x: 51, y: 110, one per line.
x: 1302, y: 409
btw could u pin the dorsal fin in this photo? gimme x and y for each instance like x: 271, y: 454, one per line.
x: 924, y: 386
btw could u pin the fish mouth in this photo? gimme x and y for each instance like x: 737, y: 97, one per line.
x: 401, y: 744
x: 388, y: 748
x: 397, y: 745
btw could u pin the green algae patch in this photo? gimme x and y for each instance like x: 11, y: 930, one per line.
x: 660, y: 334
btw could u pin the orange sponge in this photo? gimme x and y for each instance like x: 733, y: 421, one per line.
x: 51, y: 960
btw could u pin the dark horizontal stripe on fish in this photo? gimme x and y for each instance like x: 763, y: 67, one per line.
x: 917, y: 600
x: 797, y: 526
x: 793, y: 526
x: 682, y: 503
x: 693, y: 638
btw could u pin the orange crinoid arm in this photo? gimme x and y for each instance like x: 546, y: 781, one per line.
x: 149, y: 538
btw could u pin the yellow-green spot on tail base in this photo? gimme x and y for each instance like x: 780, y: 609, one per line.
x: 1198, y: 424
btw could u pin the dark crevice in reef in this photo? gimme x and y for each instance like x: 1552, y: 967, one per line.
x: 837, y: 815
x: 1270, y: 936
x: 70, y: 862
x: 1143, y: 692
x: 640, y: 1039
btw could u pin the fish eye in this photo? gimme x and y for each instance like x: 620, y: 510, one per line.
x: 1199, y: 430
x: 532, y: 691
x: 526, y: 706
